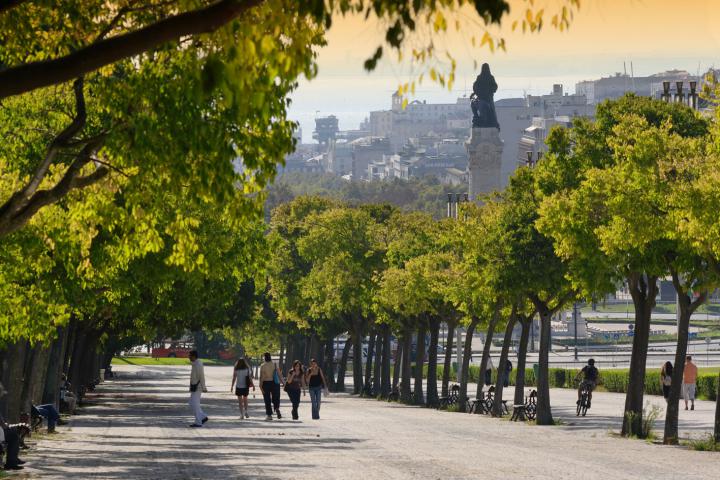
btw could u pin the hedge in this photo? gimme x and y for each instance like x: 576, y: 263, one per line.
x: 611, y: 380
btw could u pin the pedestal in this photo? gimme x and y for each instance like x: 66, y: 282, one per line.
x: 484, y: 161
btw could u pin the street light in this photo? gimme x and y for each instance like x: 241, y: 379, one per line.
x: 679, y: 96
x: 575, y: 314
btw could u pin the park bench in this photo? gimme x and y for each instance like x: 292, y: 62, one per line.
x: 32, y: 420
x: 451, y: 398
x: 394, y: 394
x: 490, y: 400
x: 531, y: 405
x: 526, y: 411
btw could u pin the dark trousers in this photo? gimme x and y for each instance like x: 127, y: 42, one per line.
x: 271, y: 396
x: 13, y: 447
x: 294, y: 394
x: 49, y: 412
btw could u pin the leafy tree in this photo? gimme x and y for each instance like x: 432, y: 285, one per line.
x: 605, y: 212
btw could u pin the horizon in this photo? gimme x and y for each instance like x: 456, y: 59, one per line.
x: 585, y: 52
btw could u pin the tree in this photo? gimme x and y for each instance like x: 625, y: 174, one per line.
x: 339, y: 285
x: 604, y: 211
x: 188, y: 62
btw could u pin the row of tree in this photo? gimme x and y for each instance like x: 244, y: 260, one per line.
x: 629, y: 198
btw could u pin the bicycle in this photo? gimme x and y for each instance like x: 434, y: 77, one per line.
x: 584, y: 403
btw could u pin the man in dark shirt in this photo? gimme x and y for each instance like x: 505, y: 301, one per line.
x: 590, y: 377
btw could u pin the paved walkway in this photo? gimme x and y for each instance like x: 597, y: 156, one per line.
x: 137, y: 429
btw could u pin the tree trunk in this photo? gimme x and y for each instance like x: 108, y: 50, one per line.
x: 447, y: 363
x: 432, y: 391
x: 340, y: 385
x: 377, y: 367
x: 306, y: 350
x: 419, y: 398
x: 13, y: 381
x: 76, y: 354
x: 465, y: 369
x: 544, y: 412
x: 497, y: 409
x: 643, y: 291
x: 283, y: 354
x: 369, y: 361
x: 405, y: 393
x: 357, y: 338
x: 329, y: 362
x: 486, y: 353
x: 522, y: 354
x: 35, y: 376
x: 397, y: 364
x: 51, y: 392
x: 717, y: 411
x: 385, y: 386
x: 687, y: 307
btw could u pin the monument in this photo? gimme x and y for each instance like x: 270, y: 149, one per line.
x: 485, y: 145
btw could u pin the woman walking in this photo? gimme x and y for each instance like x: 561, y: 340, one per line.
x: 315, y: 379
x: 666, y: 379
x: 295, y: 382
x: 242, y: 381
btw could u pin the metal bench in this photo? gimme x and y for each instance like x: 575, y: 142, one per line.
x: 451, y: 398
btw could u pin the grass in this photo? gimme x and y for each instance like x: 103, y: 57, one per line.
x: 707, y: 444
x: 165, y: 361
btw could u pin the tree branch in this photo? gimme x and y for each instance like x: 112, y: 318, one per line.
x: 20, y: 198
x: 28, y: 77
x: 6, y: 5
x: 69, y: 181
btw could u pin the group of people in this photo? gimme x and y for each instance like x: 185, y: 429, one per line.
x: 590, y: 375
x: 690, y: 372
x: 298, y: 382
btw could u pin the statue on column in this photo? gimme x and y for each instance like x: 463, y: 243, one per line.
x: 481, y: 100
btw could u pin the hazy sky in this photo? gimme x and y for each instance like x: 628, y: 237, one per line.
x: 654, y: 35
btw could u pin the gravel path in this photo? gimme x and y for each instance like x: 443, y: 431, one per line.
x: 137, y: 429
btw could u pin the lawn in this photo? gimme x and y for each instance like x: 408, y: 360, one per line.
x: 164, y: 361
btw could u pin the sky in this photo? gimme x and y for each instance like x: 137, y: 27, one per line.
x: 653, y: 35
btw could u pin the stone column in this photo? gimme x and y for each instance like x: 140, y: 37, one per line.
x: 484, y: 161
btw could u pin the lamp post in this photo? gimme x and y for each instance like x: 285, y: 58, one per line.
x: 575, y: 315
x: 530, y: 162
x: 453, y: 204
x: 691, y: 99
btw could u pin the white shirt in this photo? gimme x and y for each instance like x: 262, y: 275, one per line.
x: 197, y: 374
x: 241, y: 377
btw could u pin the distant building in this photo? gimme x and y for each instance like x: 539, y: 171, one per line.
x: 365, y: 151
x: 533, y: 139
x: 326, y: 129
x: 619, y: 84
x: 516, y: 115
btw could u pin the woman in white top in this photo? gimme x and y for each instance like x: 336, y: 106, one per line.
x: 242, y: 381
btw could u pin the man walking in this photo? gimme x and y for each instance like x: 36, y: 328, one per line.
x: 270, y: 379
x: 197, y: 387
x: 689, y: 379
x: 12, y: 443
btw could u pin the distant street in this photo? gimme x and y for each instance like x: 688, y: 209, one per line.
x: 136, y: 428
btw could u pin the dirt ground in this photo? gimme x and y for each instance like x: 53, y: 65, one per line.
x: 137, y: 428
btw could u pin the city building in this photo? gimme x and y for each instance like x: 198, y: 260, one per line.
x: 619, y: 84
x: 326, y: 129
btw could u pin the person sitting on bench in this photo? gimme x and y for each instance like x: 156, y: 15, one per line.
x: 49, y: 413
x: 10, y: 437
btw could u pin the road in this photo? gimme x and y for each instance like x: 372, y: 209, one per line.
x: 136, y: 428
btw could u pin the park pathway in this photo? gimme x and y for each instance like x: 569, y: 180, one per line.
x: 136, y: 428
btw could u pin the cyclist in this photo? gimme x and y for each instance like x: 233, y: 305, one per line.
x: 590, y: 376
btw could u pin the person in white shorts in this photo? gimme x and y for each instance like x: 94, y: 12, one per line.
x: 689, y: 380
